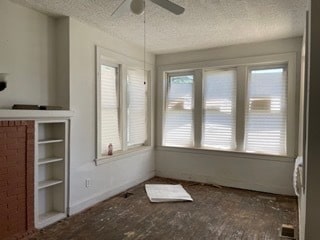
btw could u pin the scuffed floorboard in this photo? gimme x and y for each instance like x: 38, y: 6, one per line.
x: 216, y: 213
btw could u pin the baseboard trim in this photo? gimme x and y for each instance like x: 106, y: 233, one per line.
x: 79, y: 207
x: 225, y: 182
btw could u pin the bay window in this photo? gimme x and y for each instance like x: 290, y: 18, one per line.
x: 245, y: 108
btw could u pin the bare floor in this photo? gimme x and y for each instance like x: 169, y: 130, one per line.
x: 216, y: 213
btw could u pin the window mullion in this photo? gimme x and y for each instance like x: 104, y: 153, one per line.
x: 98, y: 110
x: 241, y: 106
x: 123, y: 106
x: 149, y: 107
x: 198, y: 108
x: 164, y: 93
x: 291, y: 110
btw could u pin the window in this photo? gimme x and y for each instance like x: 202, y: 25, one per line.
x: 136, y: 107
x: 109, y: 92
x: 122, y: 104
x: 266, y: 114
x: 179, y: 111
x: 247, y: 108
x: 219, y: 109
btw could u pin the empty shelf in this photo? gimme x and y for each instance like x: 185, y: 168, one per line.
x: 48, y: 183
x: 49, y: 160
x: 46, y: 141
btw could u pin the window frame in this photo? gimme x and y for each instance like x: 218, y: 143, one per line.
x: 250, y: 68
x: 176, y: 74
x: 242, y: 65
x: 118, y: 94
x: 110, y: 58
x: 203, y: 109
x: 147, y: 80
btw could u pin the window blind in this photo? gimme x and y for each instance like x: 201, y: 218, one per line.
x: 136, y: 107
x: 109, y: 109
x: 266, y: 114
x: 219, y: 109
x: 178, y: 129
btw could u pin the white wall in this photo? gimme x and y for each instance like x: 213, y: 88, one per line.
x: 62, y: 37
x: 27, y: 53
x: 231, y: 52
x: 269, y: 174
x: 113, y: 177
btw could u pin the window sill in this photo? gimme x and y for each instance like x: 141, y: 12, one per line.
x: 232, y: 154
x: 119, y: 155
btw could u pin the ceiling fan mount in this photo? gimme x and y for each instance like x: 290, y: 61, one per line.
x: 138, y: 6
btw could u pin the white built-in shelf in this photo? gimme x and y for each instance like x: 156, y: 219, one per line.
x: 49, y: 160
x: 49, y: 183
x: 47, y: 141
x: 51, y: 179
x: 50, y: 217
x: 34, y: 114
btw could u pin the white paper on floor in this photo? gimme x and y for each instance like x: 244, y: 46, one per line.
x: 167, y: 193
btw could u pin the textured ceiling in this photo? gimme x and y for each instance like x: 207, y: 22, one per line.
x: 205, y: 23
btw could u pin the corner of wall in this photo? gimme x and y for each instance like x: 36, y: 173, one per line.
x: 63, y: 62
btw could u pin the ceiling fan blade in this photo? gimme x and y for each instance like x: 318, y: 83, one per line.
x: 122, y: 9
x: 170, y: 6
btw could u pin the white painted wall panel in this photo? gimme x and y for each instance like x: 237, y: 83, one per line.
x: 239, y: 172
x: 27, y: 53
x: 113, y: 177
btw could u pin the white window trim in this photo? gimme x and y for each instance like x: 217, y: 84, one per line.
x: 226, y: 153
x: 109, y: 57
x: 242, y: 64
x: 122, y: 154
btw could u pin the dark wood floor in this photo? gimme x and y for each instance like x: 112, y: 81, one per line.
x: 216, y: 213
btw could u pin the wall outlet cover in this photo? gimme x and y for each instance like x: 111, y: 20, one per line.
x: 88, y: 182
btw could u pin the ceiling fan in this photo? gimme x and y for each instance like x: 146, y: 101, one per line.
x: 138, y: 6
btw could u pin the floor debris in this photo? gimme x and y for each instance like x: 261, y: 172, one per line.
x: 167, y: 193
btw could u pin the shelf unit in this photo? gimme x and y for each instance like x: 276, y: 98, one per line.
x: 51, y: 169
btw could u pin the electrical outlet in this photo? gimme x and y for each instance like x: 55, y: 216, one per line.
x: 88, y: 182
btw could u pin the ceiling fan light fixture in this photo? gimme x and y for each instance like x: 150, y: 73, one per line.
x: 137, y: 6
